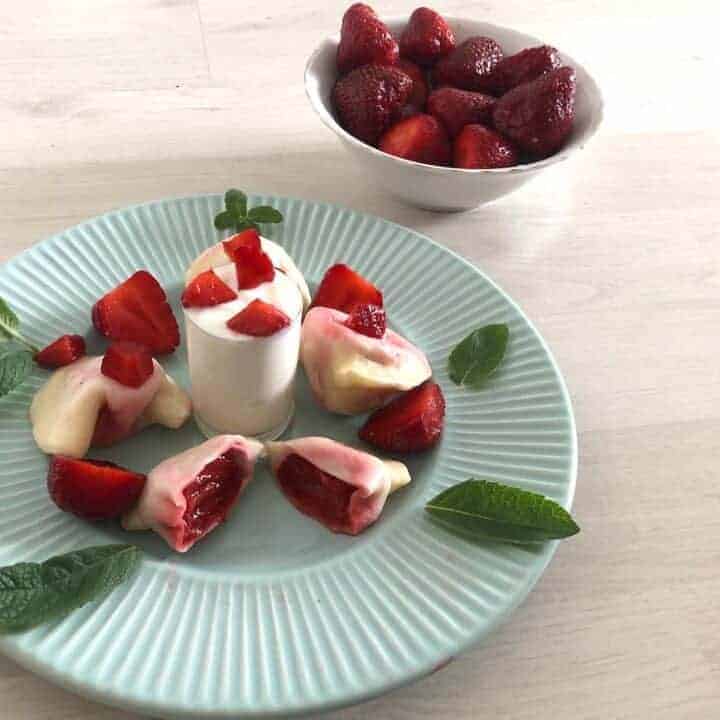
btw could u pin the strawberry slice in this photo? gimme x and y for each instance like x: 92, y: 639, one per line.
x: 259, y: 319
x: 420, y: 138
x: 128, y: 363
x: 253, y: 267
x: 368, y: 320
x: 411, y: 422
x: 63, y: 351
x: 478, y: 147
x: 137, y: 310
x: 342, y: 288
x: 247, y: 238
x: 206, y: 290
x: 93, y: 489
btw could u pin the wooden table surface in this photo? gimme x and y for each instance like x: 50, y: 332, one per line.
x: 614, y: 256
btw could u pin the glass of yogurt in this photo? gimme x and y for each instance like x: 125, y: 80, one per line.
x: 243, y: 384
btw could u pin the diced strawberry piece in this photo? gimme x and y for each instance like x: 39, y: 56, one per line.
x: 420, y: 138
x: 63, y: 351
x: 259, y: 319
x: 137, y: 310
x: 456, y: 108
x: 93, y: 489
x: 253, y: 267
x: 342, y: 288
x: 479, y: 147
x: 206, y: 290
x: 247, y: 238
x: 314, y: 492
x: 364, y: 40
x: 368, y: 320
x: 210, y: 496
x: 419, y: 93
x: 427, y: 37
x: 411, y: 422
x: 128, y: 363
x: 522, y: 67
x: 469, y: 65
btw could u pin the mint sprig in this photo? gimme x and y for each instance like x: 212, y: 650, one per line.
x: 35, y: 593
x: 10, y: 327
x: 15, y: 362
x: 237, y: 217
x: 484, y: 509
x: 479, y: 355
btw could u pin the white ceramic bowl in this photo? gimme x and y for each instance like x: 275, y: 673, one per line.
x: 444, y: 188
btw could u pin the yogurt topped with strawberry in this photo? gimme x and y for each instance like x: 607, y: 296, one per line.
x: 243, y: 317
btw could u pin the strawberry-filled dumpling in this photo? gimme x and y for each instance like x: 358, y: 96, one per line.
x: 342, y: 488
x: 85, y: 403
x: 189, y: 495
x: 355, y: 365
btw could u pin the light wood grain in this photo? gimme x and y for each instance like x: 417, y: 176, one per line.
x: 614, y: 256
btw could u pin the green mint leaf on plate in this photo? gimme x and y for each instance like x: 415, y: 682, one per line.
x: 477, y: 357
x: 483, y: 509
x: 225, y: 220
x: 35, y: 593
x: 10, y: 327
x: 15, y: 366
x: 236, y: 202
x: 265, y: 214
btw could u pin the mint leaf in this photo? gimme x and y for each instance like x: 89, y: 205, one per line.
x: 245, y: 224
x: 265, y: 214
x: 478, y: 356
x: 34, y: 593
x: 483, y: 509
x: 9, y: 321
x: 236, y: 202
x: 15, y: 366
x: 224, y: 220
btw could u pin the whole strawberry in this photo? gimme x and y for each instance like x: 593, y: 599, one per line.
x: 420, y: 138
x: 426, y: 38
x: 364, y: 40
x: 456, y: 108
x: 369, y: 99
x: 469, y: 64
x: 522, y: 67
x: 538, y: 116
x: 479, y: 147
x: 419, y: 93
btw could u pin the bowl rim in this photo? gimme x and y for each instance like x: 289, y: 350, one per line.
x: 328, y: 119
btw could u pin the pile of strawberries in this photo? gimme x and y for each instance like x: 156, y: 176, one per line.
x: 423, y: 97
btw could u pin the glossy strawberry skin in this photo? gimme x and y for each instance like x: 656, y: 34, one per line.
x: 259, y: 319
x: 412, y: 422
x: 128, y: 363
x: 342, y: 288
x: 420, y: 138
x: 252, y: 267
x: 364, y: 40
x: 367, y: 320
x: 456, y: 108
x: 478, y: 147
x: 63, y: 351
x: 538, y: 116
x: 137, y: 311
x: 418, y: 96
x: 426, y: 38
x: 468, y: 66
x: 369, y: 99
x: 249, y: 238
x: 206, y: 290
x: 522, y: 67
x: 93, y: 489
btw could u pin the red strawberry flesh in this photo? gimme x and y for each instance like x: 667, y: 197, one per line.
x: 253, y: 267
x: 368, y: 320
x: 420, y: 138
x: 128, y: 363
x: 93, y: 489
x: 478, y: 147
x: 210, y: 496
x: 314, y: 492
x: 259, y: 319
x: 342, y: 288
x: 412, y: 422
x: 63, y: 351
x: 364, y: 40
x: 247, y: 238
x: 427, y: 37
x: 468, y: 65
x: 207, y: 290
x: 137, y: 311
x: 456, y: 108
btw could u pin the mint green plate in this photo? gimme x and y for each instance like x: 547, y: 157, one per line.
x: 272, y: 614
